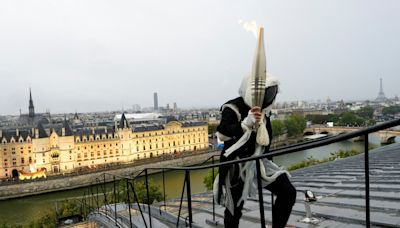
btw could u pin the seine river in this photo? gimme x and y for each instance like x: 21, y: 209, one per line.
x: 23, y: 210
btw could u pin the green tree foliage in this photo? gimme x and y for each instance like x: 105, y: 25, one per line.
x: 212, y: 128
x: 351, y: 119
x: 312, y: 161
x: 295, y: 125
x: 322, y: 119
x: 366, y: 112
x: 140, y: 190
x: 68, y: 208
x: 208, y: 179
x: 392, y: 110
x: 278, y: 128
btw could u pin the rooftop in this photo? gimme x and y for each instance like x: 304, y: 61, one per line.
x: 338, y: 185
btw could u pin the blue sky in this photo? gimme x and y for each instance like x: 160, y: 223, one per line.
x: 99, y: 55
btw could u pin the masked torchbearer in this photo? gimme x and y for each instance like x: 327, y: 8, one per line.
x: 245, y: 129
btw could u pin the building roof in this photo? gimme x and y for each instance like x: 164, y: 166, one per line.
x: 193, y: 123
x: 144, y: 128
x: 67, y: 127
x: 123, y: 122
x: 42, y: 132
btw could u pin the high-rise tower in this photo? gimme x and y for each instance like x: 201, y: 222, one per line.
x: 155, y: 102
x: 381, y: 95
x: 31, y: 107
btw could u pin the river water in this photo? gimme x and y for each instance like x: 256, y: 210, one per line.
x: 23, y: 210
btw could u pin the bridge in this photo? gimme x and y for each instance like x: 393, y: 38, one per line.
x: 386, y: 136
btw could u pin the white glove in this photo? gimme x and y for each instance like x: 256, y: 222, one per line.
x: 250, y: 120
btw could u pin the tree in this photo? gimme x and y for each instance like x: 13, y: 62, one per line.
x: 392, y: 110
x: 278, y: 128
x: 295, y: 125
x: 212, y: 128
x: 208, y: 179
x: 350, y: 119
x: 366, y: 112
x: 141, y: 192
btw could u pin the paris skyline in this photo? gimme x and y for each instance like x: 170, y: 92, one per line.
x: 98, y: 55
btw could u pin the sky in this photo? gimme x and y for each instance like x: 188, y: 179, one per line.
x: 96, y: 55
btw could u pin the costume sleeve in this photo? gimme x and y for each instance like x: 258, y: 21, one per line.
x: 229, y: 125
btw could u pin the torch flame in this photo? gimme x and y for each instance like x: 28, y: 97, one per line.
x: 250, y: 26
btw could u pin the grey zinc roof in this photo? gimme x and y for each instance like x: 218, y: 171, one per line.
x: 145, y: 128
x: 123, y: 123
x: 42, y: 132
x: 68, y: 129
x: 98, y: 131
x: 8, y: 134
x: 193, y: 123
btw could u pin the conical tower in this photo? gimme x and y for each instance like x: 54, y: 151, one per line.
x: 31, y: 107
x: 381, y: 95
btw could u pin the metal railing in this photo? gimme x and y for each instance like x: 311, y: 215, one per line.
x: 91, y: 200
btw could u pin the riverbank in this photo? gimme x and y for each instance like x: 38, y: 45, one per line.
x: 61, y: 183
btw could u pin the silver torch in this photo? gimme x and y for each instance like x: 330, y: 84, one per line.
x: 259, y: 72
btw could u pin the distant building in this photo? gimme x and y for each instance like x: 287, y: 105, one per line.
x: 35, y: 142
x: 155, y: 96
x: 381, y: 95
x: 32, y: 118
x: 61, y: 148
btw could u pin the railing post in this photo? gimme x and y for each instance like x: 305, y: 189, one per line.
x: 180, y: 204
x: 189, y: 197
x: 115, y: 202
x: 213, y: 198
x: 129, y: 203
x: 272, y: 202
x: 366, y: 169
x: 97, y: 197
x: 148, y: 196
x: 105, y: 188
x: 163, y: 182
x: 138, y: 204
x: 260, y: 196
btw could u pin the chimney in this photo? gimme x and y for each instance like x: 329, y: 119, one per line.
x: 33, y: 132
x: 17, y: 132
x: 36, y: 133
x: 63, y: 131
x: 1, y: 133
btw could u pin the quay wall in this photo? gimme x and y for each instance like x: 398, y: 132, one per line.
x: 21, y: 189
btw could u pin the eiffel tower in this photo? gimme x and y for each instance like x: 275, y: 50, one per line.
x: 381, y: 95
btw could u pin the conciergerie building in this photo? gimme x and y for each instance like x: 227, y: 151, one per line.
x: 65, y: 147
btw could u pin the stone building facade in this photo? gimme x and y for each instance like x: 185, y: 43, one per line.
x: 61, y: 149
